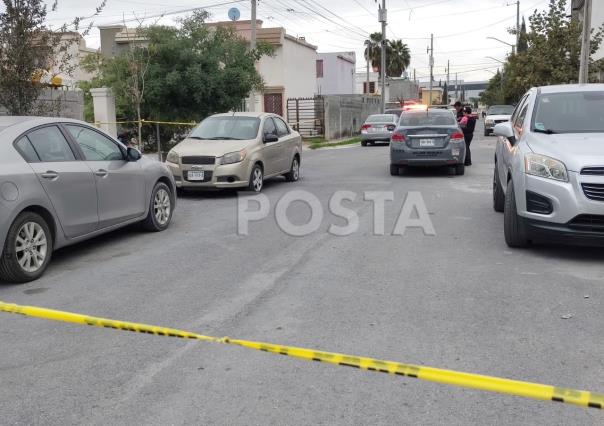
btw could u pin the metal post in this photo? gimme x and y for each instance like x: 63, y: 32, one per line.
x: 585, y: 44
x: 253, y: 47
x: 431, y: 67
x: 383, y: 19
x: 517, y: 26
x: 456, y: 95
x: 158, y: 142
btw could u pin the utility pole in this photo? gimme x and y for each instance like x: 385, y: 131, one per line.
x: 367, y: 57
x: 431, y: 50
x: 456, y: 96
x: 585, y: 43
x: 383, y: 18
x: 447, y: 100
x: 253, y: 47
x: 517, y: 25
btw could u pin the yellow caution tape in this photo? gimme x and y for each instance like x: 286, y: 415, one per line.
x: 449, y: 377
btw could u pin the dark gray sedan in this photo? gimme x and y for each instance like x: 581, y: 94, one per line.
x: 62, y: 181
x: 429, y: 138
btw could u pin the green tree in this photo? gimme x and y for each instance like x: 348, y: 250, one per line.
x: 522, y: 41
x: 190, y: 72
x: 373, y: 51
x: 29, y: 47
x: 553, y: 47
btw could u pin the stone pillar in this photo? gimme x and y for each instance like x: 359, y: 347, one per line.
x: 104, y: 109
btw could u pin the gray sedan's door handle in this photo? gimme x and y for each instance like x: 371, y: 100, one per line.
x: 101, y: 173
x: 50, y: 174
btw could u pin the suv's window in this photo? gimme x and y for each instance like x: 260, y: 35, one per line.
x: 269, y: 127
x: 27, y: 151
x: 518, y: 124
x: 50, y: 144
x: 95, y: 146
x: 282, y: 129
x: 574, y: 112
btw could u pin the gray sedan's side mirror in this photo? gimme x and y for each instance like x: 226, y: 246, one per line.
x: 133, y: 154
x: 505, y: 130
x: 270, y: 137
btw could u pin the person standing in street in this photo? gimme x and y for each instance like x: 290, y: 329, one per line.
x: 468, y: 124
x: 458, y: 110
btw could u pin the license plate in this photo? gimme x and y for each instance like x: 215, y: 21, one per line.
x: 378, y: 130
x: 426, y: 142
x: 196, y: 175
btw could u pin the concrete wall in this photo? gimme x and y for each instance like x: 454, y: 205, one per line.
x: 338, y: 73
x: 344, y: 114
x: 60, y: 103
x: 399, y: 88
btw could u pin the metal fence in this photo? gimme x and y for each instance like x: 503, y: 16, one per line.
x: 307, y: 115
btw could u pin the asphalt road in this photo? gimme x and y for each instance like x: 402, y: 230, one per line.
x: 460, y: 300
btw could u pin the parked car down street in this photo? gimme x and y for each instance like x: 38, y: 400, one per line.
x: 549, y: 167
x: 236, y: 150
x: 62, y: 181
x: 496, y: 114
x: 430, y: 138
x: 378, y: 128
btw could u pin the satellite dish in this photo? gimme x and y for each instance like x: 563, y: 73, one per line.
x: 234, y: 14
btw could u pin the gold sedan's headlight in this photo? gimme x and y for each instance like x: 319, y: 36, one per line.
x: 173, y: 157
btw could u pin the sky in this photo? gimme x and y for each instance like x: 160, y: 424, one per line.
x: 460, y: 27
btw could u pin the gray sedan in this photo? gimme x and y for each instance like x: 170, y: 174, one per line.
x: 429, y: 138
x: 378, y: 128
x: 62, y: 181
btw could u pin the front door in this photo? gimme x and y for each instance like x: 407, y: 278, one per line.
x: 68, y: 182
x: 273, y: 103
x: 120, y: 183
x: 271, y: 150
x: 288, y: 144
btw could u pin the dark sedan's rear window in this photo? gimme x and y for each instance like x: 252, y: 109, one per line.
x: 432, y: 118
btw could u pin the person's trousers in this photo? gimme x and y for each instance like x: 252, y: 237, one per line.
x: 468, y: 139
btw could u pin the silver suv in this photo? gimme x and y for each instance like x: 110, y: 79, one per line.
x: 549, y: 167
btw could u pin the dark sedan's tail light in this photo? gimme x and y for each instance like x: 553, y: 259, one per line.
x: 457, y: 135
x: 398, y: 137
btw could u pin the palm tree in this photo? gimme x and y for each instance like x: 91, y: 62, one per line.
x: 398, y: 57
x: 373, y: 51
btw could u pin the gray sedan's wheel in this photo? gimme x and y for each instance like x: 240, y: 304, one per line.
x: 160, y: 208
x: 294, y: 172
x: 394, y: 170
x: 514, y: 234
x: 460, y: 169
x: 256, y: 179
x: 498, y: 195
x: 27, y: 250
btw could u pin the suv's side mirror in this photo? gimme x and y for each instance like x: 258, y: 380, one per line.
x: 505, y: 130
x: 133, y: 154
x: 270, y: 137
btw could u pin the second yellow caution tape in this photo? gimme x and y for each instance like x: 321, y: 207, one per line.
x: 449, y: 377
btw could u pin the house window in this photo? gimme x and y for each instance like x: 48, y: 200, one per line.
x: 319, y: 68
x: 371, y: 87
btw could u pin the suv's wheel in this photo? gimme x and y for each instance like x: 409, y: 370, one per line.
x: 294, y: 172
x: 27, y: 250
x: 256, y: 179
x: 498, y: 195
x: 514, y: 234
x: 160, y: 211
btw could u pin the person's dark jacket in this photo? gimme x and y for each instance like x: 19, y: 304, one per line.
x: 459, y: 114
x: 469, y: 129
